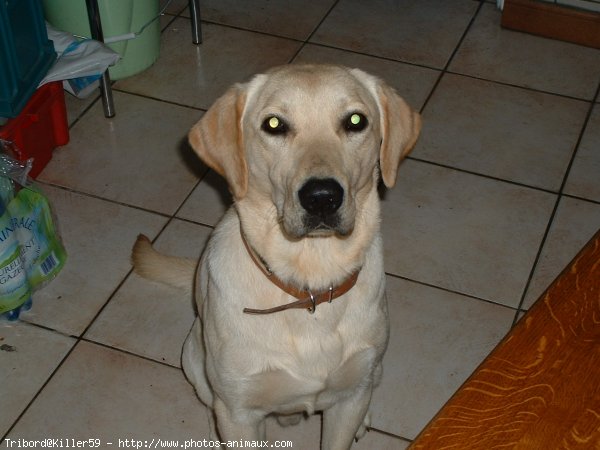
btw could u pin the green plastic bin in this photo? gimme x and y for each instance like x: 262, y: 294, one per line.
x: 118, y: 17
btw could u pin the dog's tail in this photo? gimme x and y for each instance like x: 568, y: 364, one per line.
x: 155, y: 266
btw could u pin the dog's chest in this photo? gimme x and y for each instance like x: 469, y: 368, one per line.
x: 311, y: 372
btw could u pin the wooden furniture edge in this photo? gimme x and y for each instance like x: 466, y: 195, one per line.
x: 471, y: 414
x: 552, y: 21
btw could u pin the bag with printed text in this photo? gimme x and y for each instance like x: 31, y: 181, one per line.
x: 31, y: 252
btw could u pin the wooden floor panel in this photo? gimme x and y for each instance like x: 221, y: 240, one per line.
x: 540, y: 387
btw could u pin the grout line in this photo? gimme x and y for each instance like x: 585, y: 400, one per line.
x: 312, y: 33
x: 536, y: 260
x: 583, y: 199
x: 39, y: 391
x: 451, y: 57
x: 387, y: 433
x: 176, y: 14
x: 325, y: 16
x: 195, y: 222
x: 129, y: 353
x: 450, y: 291
x: 556, y: 204
x: 482, y: 175
x: 173, y: 217
x: 148, y: 97
x: 517, y: 86
x: 579, y: 139
x: 103, y: 307
x: 84, y: 112
x: 200, y: 180
x: 248, y: 30
x: 371, y: 55
x: 24, y: 320
x: 97, y: 197
x: 173, y: 18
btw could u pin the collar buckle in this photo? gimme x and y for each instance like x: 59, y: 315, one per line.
x: 313, y: 302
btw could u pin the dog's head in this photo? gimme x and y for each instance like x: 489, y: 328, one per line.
x: 308, y: 139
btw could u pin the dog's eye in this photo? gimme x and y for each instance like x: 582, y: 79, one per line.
x: 274, y: 125
x: 355, y: 122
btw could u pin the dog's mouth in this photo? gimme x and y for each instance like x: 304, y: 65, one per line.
x: 317, y: 226
x: 314, y: 227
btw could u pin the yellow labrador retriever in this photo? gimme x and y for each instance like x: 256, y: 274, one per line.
x: 290, y: 289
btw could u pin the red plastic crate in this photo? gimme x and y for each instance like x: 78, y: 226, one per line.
x: 40, y: 127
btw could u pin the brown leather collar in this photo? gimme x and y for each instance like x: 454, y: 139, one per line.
x: 306, y: 299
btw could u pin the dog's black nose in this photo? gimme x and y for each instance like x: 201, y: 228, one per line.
x: 321, y: 196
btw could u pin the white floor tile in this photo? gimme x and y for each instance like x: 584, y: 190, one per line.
x: 437, y: 339
x: 28, y: 356
x: 584, y: 177
x: 150, y: 319
x: 137, y: 158
x: 463, y: 232
x: 501, y: 131
x: 194, y: 75
x: 268, y: 16
x: 423, y: 32
x: 575, y: 224
x: 103, y: 394
x: 208, y: 202
x: 494, y: 53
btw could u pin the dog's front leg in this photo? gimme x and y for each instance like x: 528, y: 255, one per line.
x: 342, y: 421
x: 244, y: 426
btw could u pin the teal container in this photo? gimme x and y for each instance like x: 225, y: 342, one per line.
x: 118, y: 17
x: 26, y: 54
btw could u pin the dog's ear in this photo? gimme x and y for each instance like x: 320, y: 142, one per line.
x: 400, y: 126
x: 217, y: 139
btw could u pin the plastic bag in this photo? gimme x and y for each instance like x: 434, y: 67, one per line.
x: 80, y: 63
x: 31, y: 252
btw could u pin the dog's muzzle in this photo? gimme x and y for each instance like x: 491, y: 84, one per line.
x: 321, y: 198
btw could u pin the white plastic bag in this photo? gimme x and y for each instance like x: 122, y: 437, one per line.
x: 80, y: 63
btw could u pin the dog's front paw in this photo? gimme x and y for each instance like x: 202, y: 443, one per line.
x: 362, y: 430
x: 290, y: 419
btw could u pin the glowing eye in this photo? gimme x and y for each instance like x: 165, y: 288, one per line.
x: 274, y: 125
x: 355, y: 122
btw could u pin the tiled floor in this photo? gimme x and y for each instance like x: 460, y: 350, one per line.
x: 499, y: 194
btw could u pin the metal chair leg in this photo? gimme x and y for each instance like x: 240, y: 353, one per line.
x: 196, y: 27
x: 96, y: 31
